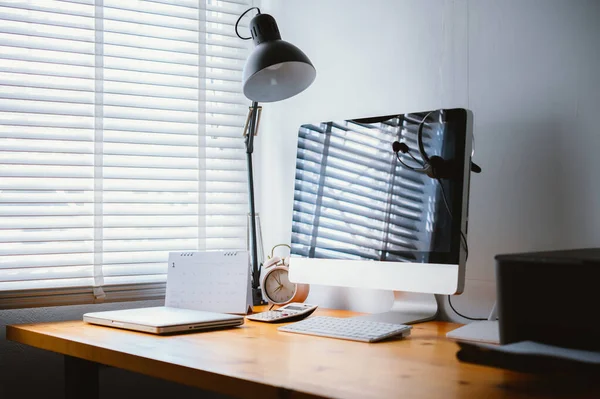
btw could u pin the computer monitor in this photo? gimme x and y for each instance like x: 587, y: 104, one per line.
x: 364, y: 217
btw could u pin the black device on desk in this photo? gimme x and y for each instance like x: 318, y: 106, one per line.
x: 532, y: 357
x: 550, y: 297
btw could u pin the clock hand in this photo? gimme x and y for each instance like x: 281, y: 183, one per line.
x: 278, y: 288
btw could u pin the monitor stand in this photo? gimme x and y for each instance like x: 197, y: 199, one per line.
x: 408, y: 308
x: 487, y: 331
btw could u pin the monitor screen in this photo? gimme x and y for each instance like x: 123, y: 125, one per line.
x: 353, y: 199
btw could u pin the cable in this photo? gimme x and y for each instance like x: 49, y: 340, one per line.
x: 405, y: 165
x: 415, y: 159
x: 466, y: 246
x: 463, y: 238
x: 240, y: 18
x: 444, y: 197
x: 462, y: 315
x: 420, y: 139
x: 462, y: 235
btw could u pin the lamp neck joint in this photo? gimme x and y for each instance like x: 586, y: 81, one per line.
x: 263, y: 29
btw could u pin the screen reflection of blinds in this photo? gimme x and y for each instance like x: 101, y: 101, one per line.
x: 120, y: 140
x: 354, y: 200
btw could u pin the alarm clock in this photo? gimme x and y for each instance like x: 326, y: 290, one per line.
x: 275, y: 283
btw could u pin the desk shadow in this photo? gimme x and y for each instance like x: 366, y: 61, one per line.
x: 555, y: 386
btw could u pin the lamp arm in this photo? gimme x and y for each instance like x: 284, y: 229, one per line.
x: 253, y: 236
x: 252, y: 128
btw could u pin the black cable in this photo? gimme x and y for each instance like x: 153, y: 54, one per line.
x: 420, y: 139
x: 416, y: 160
x: 462, y: 235
x: 466, y: 246
x: 462, y: 315
x: 240, y: 18
x: 444, y: 197
x: 405, y: 165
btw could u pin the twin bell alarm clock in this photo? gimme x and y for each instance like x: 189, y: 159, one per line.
x: 275, y: 283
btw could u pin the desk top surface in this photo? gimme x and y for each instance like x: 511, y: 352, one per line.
x: 256, y: 360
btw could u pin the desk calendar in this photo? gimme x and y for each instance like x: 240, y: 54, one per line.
x: 215, y: 281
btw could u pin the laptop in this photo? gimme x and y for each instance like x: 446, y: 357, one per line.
x: 163, y: 319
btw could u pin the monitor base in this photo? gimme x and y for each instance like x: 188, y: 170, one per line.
x: 408, y: 308
x: 477, y: 331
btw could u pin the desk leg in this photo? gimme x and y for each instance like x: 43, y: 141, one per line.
x: 81, y: 378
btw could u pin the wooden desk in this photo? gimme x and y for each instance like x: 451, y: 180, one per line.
x: 257, y: 361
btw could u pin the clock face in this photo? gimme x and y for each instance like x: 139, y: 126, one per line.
x: 278, y: 287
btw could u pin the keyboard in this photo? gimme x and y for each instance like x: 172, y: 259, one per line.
x: 347, y: 328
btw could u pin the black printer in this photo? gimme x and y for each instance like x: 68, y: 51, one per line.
x: 550, y: 297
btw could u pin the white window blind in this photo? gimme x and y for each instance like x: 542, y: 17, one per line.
x: 120, y: 140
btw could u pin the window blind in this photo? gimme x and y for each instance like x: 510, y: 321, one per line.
x: 120, y: 140
x: 354, y: 200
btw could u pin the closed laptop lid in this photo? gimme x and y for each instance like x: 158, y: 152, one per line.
x: 162, y: 316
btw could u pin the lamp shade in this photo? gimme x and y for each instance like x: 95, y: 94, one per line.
x: 276, y: 69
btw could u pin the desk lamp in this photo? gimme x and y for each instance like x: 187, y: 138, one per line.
x: 274, y: 71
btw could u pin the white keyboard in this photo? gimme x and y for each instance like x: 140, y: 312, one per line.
x: 350, y: 328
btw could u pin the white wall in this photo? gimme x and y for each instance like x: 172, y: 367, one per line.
x: 581, y: 138
x: 527, y: 69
